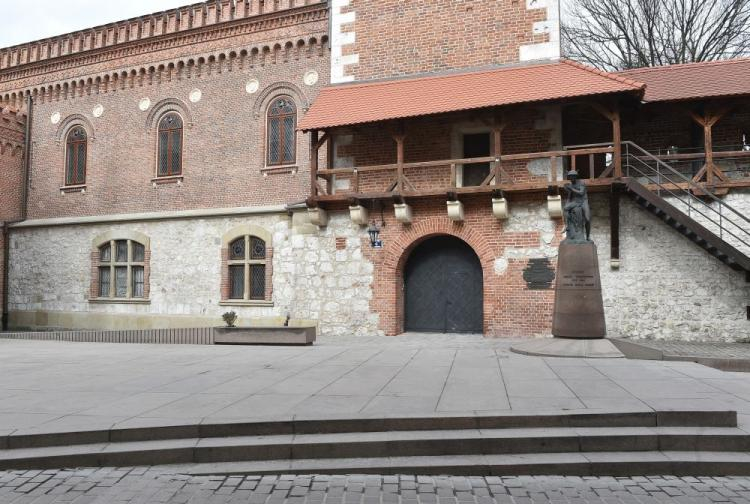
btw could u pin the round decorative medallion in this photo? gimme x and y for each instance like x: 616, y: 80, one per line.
x: 196, y: 95
x: 144, y: 104
x: 98, y: 110
x: 311, y: 78
x: 252, y: 86
x: 55, y: 118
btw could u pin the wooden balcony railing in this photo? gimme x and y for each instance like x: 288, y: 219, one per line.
x: 497, y: 179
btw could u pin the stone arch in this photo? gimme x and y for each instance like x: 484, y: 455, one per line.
x: 276, y: 89
x: 389, y: 281
x: 244, y: 230
x: 75, y: 120
x: 108, y: 236
x: 165, y: 106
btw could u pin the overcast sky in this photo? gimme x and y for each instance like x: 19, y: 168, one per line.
x: 28, y: 20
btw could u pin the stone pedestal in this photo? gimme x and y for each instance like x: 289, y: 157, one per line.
x: 579, y: 309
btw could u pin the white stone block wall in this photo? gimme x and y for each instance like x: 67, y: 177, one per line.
x: 50, y: 271
x: 666, y: 286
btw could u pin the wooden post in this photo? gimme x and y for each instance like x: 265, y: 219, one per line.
x: 400, y: 162
x: 707, y: 121
x: 614, y: 223
x: 617, y: 141
x: 330, y: 156
x: 314, y: 164
x: 497, y: 133
x: 613, y: 115
x: 709, y: 148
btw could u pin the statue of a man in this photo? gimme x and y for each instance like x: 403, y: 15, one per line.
x: 577, y: 211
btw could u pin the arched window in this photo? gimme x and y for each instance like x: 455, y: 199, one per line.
x: 247, y: 269
x: 75, y: 157
x: 170, y: 146
x: 122, y: 270
x: 282, y: 132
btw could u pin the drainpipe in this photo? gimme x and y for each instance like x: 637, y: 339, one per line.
x: 27, y: 157
x: 6, y: 263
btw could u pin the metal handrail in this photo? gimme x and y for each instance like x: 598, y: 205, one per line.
x: 722, y: 229
x: 702, y: 188
x: 663, y: 171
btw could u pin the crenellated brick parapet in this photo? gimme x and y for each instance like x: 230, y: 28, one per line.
x: 174, y: 21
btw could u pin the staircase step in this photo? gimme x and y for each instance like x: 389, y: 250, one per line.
x: 563, y: 464
x: 385, y: 444
x: 511, y: 420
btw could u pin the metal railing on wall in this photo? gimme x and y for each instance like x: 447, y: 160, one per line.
x: 183, y: 336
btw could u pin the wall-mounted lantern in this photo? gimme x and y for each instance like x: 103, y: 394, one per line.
x: 374, y: 232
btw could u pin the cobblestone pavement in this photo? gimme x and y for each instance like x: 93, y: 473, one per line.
x: 149, y: 485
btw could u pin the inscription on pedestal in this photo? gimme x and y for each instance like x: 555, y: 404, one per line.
x: 578, y: 280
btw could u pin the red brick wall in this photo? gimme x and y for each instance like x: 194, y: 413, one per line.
x: 12, y: 132
x: 510, y: 307
x: 398, y: 37
x: 224, y: 144
x: 218, y: 52
x: 430, y: 139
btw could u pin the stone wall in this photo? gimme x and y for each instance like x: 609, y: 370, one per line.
x: 49, y: 278
x: 666, y: 287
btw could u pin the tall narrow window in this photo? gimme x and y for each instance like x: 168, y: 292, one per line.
x: 170, y: 146
x: 122, y: 268
x: 247, y: 269
x: 75, y: 157
x: 282, y: 132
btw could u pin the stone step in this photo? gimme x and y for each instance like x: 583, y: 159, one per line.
x: 298, y: 425
x: 387, y: 444
x: 562, y: 464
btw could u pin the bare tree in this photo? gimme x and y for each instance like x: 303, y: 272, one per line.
x: 623, y: 34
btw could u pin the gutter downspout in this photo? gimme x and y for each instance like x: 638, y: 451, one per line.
x: 27, y: 157
x: 6, y: 264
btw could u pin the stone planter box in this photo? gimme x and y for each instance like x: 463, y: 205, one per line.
x: 265, y: 335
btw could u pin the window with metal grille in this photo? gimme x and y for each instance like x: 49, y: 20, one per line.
x: 75, y: 157
x: 122, y: 270
x: 170, y: 146
x: 282, y: 132
x: 247, y: 269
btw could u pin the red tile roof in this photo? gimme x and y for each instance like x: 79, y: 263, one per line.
x: 694, y: 80
x: 396, y: 99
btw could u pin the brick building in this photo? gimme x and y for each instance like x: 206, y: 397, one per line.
x: 235, y: 155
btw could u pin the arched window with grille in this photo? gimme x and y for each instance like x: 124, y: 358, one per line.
x: 75, y: 156
x: 282, y: 132
x: 169, y: 155
x: 247, y: 269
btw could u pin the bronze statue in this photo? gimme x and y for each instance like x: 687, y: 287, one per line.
x: 577, y: 211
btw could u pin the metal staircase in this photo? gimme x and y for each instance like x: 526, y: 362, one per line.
x: 687, y: 206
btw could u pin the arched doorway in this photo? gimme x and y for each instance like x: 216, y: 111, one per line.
x: 443, y: 289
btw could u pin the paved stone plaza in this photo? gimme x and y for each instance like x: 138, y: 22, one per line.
x: 144, y: 485
x: 55, y: 386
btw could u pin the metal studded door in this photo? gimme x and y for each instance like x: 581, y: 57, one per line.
x: 443, y: 288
